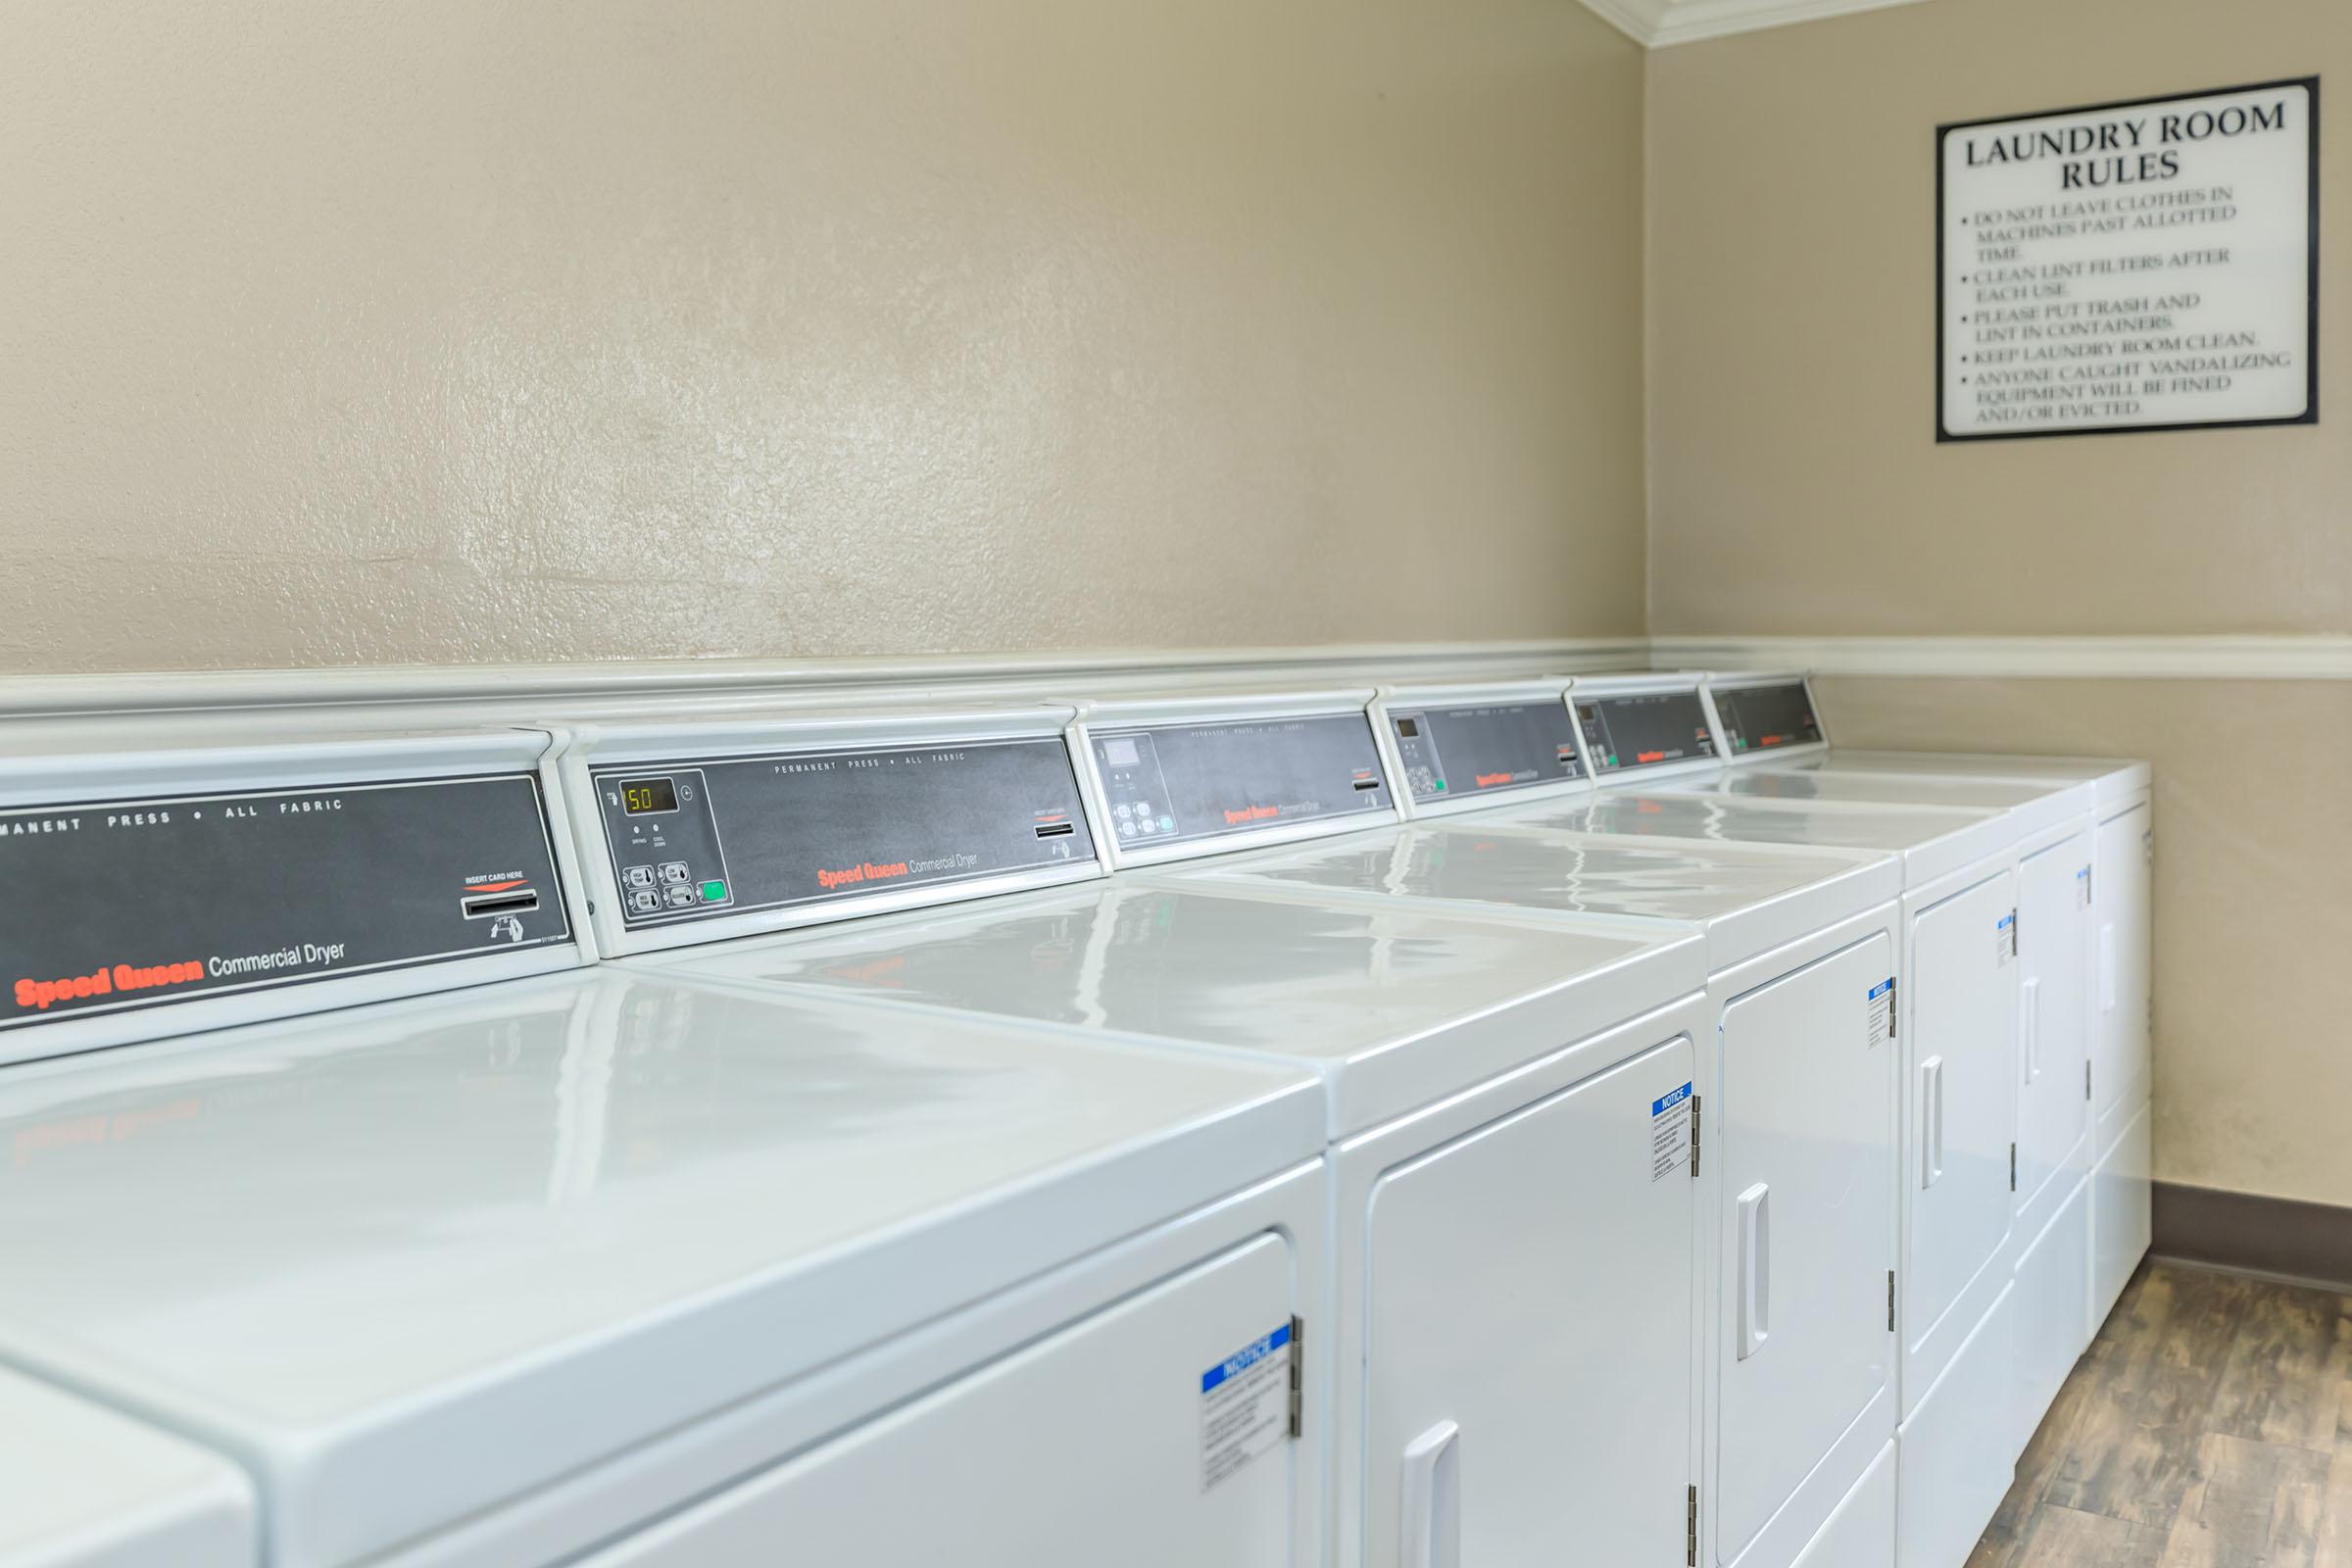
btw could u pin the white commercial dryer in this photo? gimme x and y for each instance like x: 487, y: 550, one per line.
x: 604, y: 1268
x: 1965, y: 977
x: 1796, y: 1104
x: 1779, y: 708
x: 1511, y: 1315
x: 84, y: 1486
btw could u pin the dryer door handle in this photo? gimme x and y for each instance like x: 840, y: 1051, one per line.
x: 1755, y: 1268
x: 1432, y: 1499
x: 1931, y: 1121
x: 2033, y: 1028
x: 2107, y: 966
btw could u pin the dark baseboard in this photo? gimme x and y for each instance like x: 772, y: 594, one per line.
x: 2278, y: 1238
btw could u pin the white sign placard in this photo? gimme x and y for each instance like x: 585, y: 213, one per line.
x: 2146, y: 266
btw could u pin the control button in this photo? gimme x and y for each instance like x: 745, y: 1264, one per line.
x: 1167, y: 824
x: 1124, y: 809
x: 639, y: 876
x: 1126, y: 830
x: 681, y: 898
x: 714, y: 892
x: 1142, y: 808
x: 675, y: 871
x: 645, y: 901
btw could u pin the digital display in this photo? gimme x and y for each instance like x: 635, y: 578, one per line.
x: 1450, y: 753
x: 730, y: 835
x: 1624, y: 734
x: 1759, y: 719
x: 638, y: 796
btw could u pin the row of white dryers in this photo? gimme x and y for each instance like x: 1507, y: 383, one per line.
x: 1610, y: 1176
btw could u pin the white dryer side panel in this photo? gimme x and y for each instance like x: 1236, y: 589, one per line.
x: 1101, y: 1432
x: 2121, y: 1215
x: 1960, y: 1050
x: 1801, y: 1134
x: 1531, y: 1305
x: 2121, y: 976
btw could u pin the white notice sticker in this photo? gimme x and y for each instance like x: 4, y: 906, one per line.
x: 1670, y: 1134
x: 1244, y: 1408
x: 1881, y: 1011
x: 2004, y: 940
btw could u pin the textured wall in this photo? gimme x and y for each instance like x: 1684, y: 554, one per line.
x: 1795, y: 483
x: 1796, y: 488
x: 460, y: 330
x: 2252, y: 923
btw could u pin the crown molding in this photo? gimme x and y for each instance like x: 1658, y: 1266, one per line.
x: 1655, y: 23
x: 2181, y: 658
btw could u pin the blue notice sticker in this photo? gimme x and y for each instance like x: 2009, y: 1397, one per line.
x: 1659, y: 1107
x: 1244, y: 1359
x: 1881, y: 987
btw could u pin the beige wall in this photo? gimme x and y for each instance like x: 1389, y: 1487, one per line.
x: 1795, y: 483
x: 1796, y: 488
x: 464, y: 331
x: 2252, y: 918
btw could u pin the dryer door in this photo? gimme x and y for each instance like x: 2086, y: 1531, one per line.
x: 1530, y: 1338
x: 1154, y: 1432
x: 1961, y: 1054
x: 2054, y: 945
x: 1803, y: 1142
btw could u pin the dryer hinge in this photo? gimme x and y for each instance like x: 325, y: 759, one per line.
x: 1890, y: 1300
x: 2013, y: 1167
x: 1698, y: 1105
x: 1894, y: 1007
x: 1298, y: 1376
x: 1690, y: 1528
x: 2086, y: 1080
x: 2013, y: 924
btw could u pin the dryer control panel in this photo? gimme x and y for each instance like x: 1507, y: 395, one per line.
x: 693, y: 838
x: 1448, y: 752
x: 1627, y: 732
x: 1767, y: 718
x: 124, y: 905
x: 1188, y: 782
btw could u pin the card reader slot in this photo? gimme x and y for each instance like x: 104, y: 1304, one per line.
x: 1055, y: 830
x: 484, y: 905
x: 1367, y: 783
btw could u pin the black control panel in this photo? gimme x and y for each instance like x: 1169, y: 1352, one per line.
x: 1177, y: 783
x: 1451, y: 753
x: 1625, y: 734
x: 709, y: 836
x: 1759, y: 719
x: 118, y: 905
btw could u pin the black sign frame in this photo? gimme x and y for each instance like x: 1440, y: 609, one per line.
x: 2311, y: 353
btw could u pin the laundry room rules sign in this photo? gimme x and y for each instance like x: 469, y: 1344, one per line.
x: 2146, y: 266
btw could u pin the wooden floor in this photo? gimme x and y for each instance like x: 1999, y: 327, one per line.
x: 2208, y: 1425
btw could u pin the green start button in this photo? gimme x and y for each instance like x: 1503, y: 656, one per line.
x: 714, y: 892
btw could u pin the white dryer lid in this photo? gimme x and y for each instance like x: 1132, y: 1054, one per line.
x: 2030, y: 805
x: 1395, y: 1005
x: 409, y: 1261
x: 1747, y: 899
x: 2114, y: 776
x: 1931, y: 841
x: 81, y: 1484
